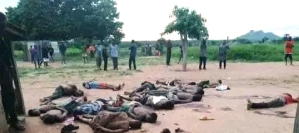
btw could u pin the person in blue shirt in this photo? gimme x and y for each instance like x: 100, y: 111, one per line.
x: 99, y: 56
x: 114, y: 55
x: 97, y: 85
x: 133, y: 53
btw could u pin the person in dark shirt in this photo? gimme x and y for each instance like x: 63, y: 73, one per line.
x: 45, y: 54
x: 62, y: 49
x: 105, y: 57
x: 168, y: 55
x: 51, y: 53
x: 6, y: 82
x: 133, y: 53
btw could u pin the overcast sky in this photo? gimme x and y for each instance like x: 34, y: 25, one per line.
x: 145, y: 19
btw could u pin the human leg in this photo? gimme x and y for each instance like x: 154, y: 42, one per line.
x: 105, y: 64
x: 200, y: 62
x: 291, y: 59
x: 204, y: 62
x: 224, y: 64
x: 134, y: 63
x: 130, y: 63
x: 286, y: 59
x: 220, y: 64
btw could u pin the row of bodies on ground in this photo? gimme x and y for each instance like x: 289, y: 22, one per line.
x: 123, y: 113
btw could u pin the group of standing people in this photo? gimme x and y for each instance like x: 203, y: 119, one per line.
x: 203, y: 52
x: 45, y: 54
x: 102, y: 53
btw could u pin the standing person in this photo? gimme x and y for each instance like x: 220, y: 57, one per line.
x: 223, y: 48
x: 105, y: 57
x: 35, y: 55
x: 6, y: 80
x: 84, y: 54
x: 168, y: 56
x: 99, y: 56
x: 181, y: 53
x: 289, y: 45
x: 91, y: 51
x: 45, y: 54
x: 62, y: 49
x: 114, y: 55
x: 31, y: 54
x: 51, y: 53
x: 203, y: 54
x: 133, y: 53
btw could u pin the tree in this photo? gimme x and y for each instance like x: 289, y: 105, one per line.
x: 188, y: 24
x: 67, y: 19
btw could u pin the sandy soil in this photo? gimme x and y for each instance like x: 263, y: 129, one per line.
x: 228, y: 108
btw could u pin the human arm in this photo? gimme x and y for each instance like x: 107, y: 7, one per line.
x: 132, y: 114
x: 106, y: 130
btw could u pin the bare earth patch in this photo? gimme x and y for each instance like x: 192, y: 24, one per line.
x: 247, y: 80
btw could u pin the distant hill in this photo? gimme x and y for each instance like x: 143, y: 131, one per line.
x: 259, y: 35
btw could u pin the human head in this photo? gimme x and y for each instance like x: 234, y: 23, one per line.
x: 34, y: 112
x: 169, y: 41
x: 133, y: 41
x: 85, y: 85
x: 151, y: 118
x: 49, y: 119
x: 166, y: 104
x: 165, y: 130
x: 2, y: 23
x: 197, y: 97
x: 288, y: 94
x: 30, y: 46
x: 135, y: 124
x: 79, y: 93
x: 290, y: 38
x: 220, y: 82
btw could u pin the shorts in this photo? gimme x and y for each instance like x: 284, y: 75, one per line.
x: 103, y: 85
x: 288, y: 56
x: 46, y: 59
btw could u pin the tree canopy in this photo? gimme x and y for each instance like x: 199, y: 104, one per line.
x: 67, y: 19
x: 188, y: 24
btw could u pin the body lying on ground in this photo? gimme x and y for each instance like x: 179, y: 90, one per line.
x: 97, y: 85
x: 137, y: 111
x: 110, y: 122
x: 277, y: 101
x: 155, y: 102
x: 64, y: 90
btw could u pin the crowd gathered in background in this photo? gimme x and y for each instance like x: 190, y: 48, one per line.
x: 101, y: 53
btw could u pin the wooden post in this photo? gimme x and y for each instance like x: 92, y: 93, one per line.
x: 3, y: 123
x: 18, y: 91
x: 296, y: 125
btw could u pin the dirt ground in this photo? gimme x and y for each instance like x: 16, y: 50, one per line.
x: 228, y: 108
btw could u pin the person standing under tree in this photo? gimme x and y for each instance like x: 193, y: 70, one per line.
x: 223, y: 48
x: 114, y: 55
x: 62, y: 49
x: 51, y: 53
x: 168, y: 55
x: 105, y: 57
x: 133, y: 53
x: 289, y: 45
x: 99, y: 56
x: 31, y: 54
x: 6, y: 82
x: 45, y: 54
x: 181, y: 54
x: 203, y: 54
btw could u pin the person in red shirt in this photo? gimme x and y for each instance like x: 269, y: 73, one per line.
x: 289, y: 45
x: 277, y: 101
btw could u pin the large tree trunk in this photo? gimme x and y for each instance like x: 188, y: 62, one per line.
x: 184, y: 39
